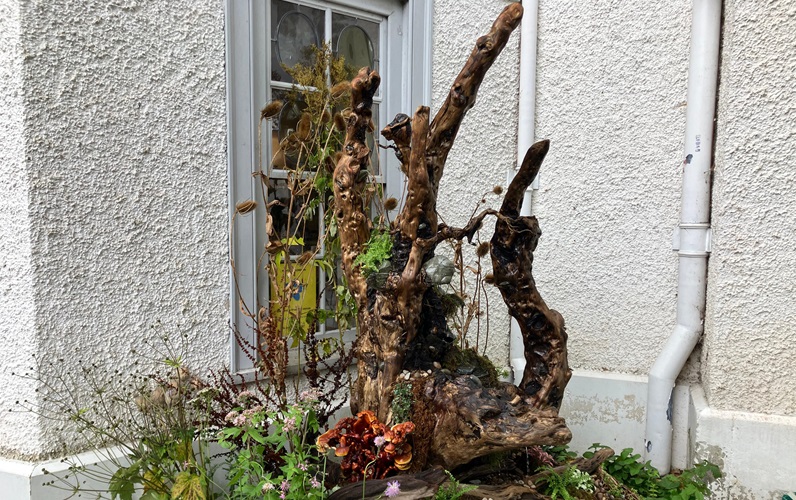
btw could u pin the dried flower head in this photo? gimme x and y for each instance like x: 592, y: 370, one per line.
x: 497, y: 190
x: 326, y: 117
x: 271, y: 109
x: 339, y: 122
x: 339, y: 89
x: 482, y: 249
x: 390, y: 204
x: 245, y: 207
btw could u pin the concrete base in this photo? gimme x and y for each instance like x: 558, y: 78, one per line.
x: 52, y: 479
x: 756, y: 452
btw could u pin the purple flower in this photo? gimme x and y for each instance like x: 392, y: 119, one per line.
x: 285, y: 486
x: 315, y: 483
x: 379, y: 441
x: 290, y: 424
x: 393, y: 489
x: 302, y: 466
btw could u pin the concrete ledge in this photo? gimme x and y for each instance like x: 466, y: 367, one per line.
x: 756, y: 452
x: 21, y: 480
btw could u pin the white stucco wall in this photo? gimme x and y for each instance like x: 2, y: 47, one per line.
x: 611, y: 92
x: 486, y: 145
x: 18, y: 431
x: 749, y: 358
x: 124, y: 156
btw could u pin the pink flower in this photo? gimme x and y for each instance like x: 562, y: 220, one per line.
x: 285, y: 485
x: 239, y: 421
x: 393, y: 489
x: 290, y: 424
x: 302, y: 466
x: 379, y: 441
x: 244, y: 395
x: 230, y: 416
x: 315, y: 483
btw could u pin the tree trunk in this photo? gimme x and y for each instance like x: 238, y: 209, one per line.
x: 404, y: 315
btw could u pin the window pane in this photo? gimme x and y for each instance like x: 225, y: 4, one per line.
x: 291, y: 221
x: 373, y: 140
x: 356, y: 40
x: 286, y: 151
x: 294, y: 30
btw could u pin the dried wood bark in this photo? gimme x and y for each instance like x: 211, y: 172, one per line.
x: 546, y: 370
x: 392, y: 319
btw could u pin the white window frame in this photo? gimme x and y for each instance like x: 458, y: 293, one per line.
x: 406, y: 46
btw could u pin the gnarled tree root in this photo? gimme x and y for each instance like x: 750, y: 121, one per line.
x: 474, y: 421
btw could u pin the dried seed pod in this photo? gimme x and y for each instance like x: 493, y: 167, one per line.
x: 271, y: 109
x: 245, y: 207
x: 326, y: 116
x: 339, y: 122
x: 482, y: 249
x: 390, y: 204
x: 303, y: 127
x: 497, y: 190
x: 339, y: 89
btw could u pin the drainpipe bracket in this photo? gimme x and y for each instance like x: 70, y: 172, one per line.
x: 692, y: 239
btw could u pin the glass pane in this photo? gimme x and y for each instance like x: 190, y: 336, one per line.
x: 289, y: 219
x: 330, y: 299
x: 286, y: 153
x: 373, y: 140
x: 356, y: 40
x: 294, y: 30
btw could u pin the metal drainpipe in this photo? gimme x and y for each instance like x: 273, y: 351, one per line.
x: 525, y: 137
x: 692, y: 238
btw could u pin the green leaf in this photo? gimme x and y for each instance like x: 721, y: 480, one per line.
x: 188, y: 486
x: 121, y: 486
x: 154, y: 495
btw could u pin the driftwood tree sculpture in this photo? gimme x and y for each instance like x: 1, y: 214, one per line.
x: 396, y: 319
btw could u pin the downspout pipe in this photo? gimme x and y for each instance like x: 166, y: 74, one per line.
x: 692, y: 238
x: 525, y: 138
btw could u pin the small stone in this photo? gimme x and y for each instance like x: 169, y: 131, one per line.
x: 437, y: 365
x: 428, y: 372
x: 516, y: 400
x: 407, y: 375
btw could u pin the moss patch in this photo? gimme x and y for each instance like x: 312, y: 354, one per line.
x: 469, y: 362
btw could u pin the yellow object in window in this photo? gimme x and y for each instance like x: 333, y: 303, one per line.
x: 301, y: 282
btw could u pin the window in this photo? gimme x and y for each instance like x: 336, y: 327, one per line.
x: 392, y: 36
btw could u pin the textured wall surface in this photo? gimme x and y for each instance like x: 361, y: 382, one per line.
x: 611, y: 92
x: 125, y: 157
x: 18, y: 431
x: 749, y: 357
x: 486, y: 145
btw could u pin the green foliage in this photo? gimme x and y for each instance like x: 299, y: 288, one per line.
x: 629, y: 470
x: 567, y: 485
x: 149, y: 426
x: 561, y: 453
x: 452, y: 489
x: 378, y: 251
x: 691, y: 484
x: 641, y: 477
x: 299, y: 474
x: 401, y: 403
